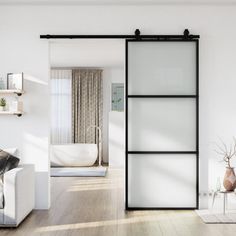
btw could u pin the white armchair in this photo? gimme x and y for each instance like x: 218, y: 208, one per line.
x: 19, y: 194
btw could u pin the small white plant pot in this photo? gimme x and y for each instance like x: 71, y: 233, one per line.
x: 2, y: 108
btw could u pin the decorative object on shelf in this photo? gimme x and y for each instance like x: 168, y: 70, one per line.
x: 228, y: 153
x: 117, y: 98
x: 2, y: 85
x: 16, y: 106
x: 3, y: 104
x: 15, y: 81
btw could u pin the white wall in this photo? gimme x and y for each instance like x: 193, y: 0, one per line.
x: 116, y: 139
x: 22, y: 50
x: 110, y: 75
x: 87, y: 53
x: 29, y: 133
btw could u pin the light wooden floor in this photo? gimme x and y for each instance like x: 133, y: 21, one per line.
x: 93, y: 206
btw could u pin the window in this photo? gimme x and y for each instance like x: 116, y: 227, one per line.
x: 61, y: 106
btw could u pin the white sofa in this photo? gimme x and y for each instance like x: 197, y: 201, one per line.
x: 19, y: 194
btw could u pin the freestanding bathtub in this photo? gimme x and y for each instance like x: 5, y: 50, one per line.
x: 75, y: 154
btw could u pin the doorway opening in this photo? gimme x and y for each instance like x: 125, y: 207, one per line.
x: 155, y: 134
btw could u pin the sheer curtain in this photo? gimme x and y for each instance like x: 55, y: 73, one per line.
x: 87, y: 104
x: 61, y: 93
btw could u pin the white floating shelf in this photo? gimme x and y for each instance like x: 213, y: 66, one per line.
x: 17, y: 113
x: 11, y: 91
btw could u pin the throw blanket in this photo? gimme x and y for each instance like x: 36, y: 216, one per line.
x: 7, y: 162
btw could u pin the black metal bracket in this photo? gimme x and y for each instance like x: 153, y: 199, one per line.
x: 18, y: 93
x: 137, y: 34
x: 187, y: 35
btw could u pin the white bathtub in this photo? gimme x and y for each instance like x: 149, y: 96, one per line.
x: 75, y: 154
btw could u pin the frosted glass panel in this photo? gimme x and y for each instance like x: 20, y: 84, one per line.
x: 162, y: 180
x: 163, y: 124
x: 162, y: 68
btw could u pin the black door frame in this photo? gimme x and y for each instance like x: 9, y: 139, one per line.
x: 185, y: 37
x: 196, y: 97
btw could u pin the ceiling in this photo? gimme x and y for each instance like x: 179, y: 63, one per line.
x: 114, y: 2
x: 87, y: 53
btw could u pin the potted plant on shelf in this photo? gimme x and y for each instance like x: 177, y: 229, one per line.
x: 3, y: 104
x: 228, y: 153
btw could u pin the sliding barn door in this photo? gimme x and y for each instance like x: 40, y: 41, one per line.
x: 161, y: 124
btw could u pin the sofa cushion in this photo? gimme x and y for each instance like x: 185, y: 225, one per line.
x: 12, y: 151
x: 7, y: 162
